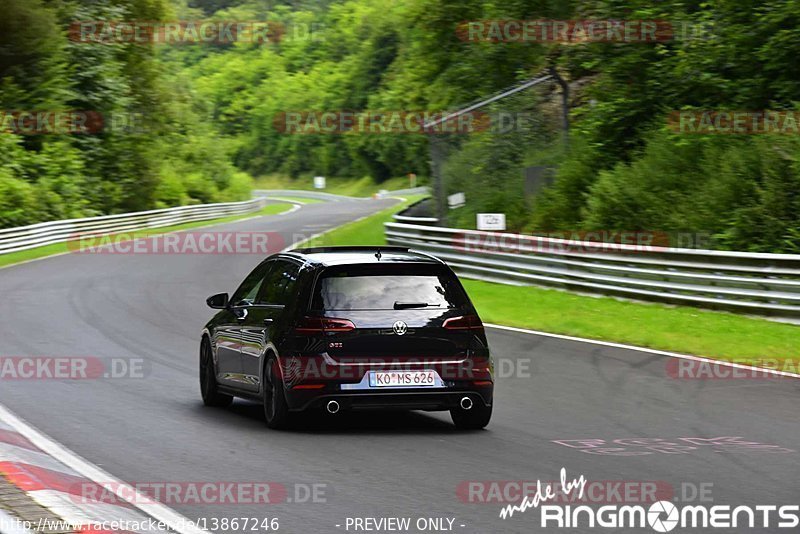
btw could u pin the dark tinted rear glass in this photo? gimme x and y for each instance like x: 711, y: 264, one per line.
x: 387, y: 287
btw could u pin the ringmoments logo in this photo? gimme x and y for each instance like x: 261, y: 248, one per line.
x: 660, y: 516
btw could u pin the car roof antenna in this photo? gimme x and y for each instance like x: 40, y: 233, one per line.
x: 378, y: 254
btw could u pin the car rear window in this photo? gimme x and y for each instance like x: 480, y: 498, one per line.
x: 383, y: 287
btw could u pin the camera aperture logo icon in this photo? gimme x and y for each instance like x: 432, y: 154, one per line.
x: 662, y: 516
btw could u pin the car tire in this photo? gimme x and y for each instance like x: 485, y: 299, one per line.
x: 475, y: 419
x: 276, y: 411
x: 208, y: 381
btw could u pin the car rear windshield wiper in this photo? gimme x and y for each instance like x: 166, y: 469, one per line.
x: 407, y: 305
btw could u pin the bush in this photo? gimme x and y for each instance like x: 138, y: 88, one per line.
x: 170, y: 191
x: 239, y: 188
x: 743, y: 191
x: 17, y: 200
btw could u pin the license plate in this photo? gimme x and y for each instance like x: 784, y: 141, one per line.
x: 388, y: 379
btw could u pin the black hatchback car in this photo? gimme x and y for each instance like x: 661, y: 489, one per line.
x: 343, y: 328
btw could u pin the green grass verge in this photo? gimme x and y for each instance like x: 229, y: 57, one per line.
x: 352, y: 187
x: 680, y: 329
x: 60, y: 248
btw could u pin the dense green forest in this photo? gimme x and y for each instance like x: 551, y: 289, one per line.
x: 208, y: 112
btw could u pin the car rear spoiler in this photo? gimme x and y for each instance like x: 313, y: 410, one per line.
x: 358, y: 248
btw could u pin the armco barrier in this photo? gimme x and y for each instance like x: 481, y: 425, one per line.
x: 757, y: 283
x: 48, y: 233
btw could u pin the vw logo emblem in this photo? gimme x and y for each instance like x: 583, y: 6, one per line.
x: 400, y: 328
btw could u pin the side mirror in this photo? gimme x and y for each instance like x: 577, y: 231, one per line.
x: 218, y: 301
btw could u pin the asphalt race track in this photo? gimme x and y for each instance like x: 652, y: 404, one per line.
x: 678, y: 433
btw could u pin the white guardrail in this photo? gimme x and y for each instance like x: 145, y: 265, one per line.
x: 48, y: 233
x: 756, y: 283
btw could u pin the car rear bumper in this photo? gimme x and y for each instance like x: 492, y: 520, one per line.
x: 402, y: 399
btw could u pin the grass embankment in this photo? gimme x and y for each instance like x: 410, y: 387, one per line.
x: 680, y: 329
x: 60, y: 248
x: 352, y: 187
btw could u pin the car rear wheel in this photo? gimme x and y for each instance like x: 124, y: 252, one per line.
x: 276, y: 412
x: 473, y: 419
x: 208, y: 380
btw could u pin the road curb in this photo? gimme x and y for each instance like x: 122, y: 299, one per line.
x: 52, y: 476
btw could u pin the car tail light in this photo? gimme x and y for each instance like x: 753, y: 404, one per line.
x: 321, y: 325
x: 466, y: 322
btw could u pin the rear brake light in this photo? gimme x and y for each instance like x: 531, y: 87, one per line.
x: 320, y: 325
x: 466, y: 322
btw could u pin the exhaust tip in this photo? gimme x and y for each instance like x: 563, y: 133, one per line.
x: 332, y: 406
x: 466, y: 403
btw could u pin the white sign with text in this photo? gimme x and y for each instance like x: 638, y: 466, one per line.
x: 491, y: 221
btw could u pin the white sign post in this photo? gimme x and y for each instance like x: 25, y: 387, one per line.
x: 456, y: 200
x: 319, y: 182
x: 491, y: 221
